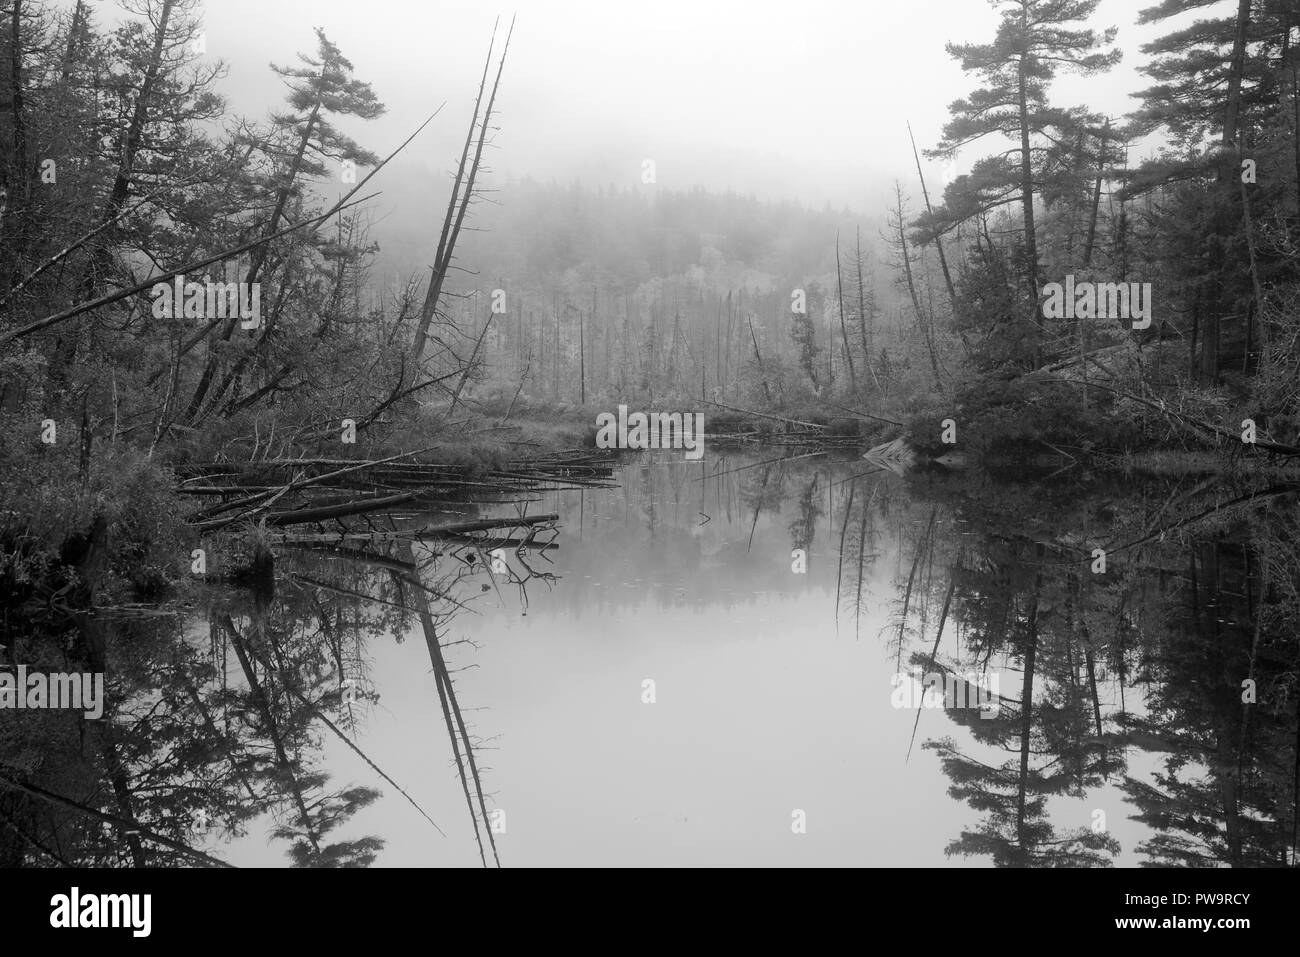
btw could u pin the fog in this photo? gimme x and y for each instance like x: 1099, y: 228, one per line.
x: 805, y: 101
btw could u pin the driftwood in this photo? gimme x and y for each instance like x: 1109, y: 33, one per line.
x: 766, y: 415
x: 278, y: 491
x: 486, y: 525
x: 490, y: 544
x: 362, y: 487
x: 865, y: 415
x: 432, y: 531
x: 357, y: 506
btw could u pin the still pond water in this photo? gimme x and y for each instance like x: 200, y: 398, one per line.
x: 721, y: 662
x: 699, y: 668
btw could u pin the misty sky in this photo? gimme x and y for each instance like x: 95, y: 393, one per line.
x: 803, y: 100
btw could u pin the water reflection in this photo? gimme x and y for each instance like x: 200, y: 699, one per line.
x: 686, y: 668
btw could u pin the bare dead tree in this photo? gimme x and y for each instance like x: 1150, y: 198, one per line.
x: 943, y: 260
x: 462, y: 194
x: 844, y: 334
x: 898, y: 241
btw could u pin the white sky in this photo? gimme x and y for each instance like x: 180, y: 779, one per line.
x: 804, y: 100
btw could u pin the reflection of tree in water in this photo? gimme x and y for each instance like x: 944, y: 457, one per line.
x: 1228, y: 789
x: 763, y: 489
x: 698, y: 551
x: 121, y: 791
x: 1102, y: 674
x: 203, y: 738
x: 280, y: 657
x: 1185, y: 611
x: 1042, y: 728
x: 804, y: 527
x: 866, y: 511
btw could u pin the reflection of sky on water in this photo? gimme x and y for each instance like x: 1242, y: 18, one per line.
x: 763, y: 705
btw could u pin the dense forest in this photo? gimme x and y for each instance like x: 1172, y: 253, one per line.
x: 213, y: 351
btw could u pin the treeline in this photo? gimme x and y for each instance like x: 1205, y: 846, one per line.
x: 620, y: 236
x: 1210, y: 222
x: 595, y: 296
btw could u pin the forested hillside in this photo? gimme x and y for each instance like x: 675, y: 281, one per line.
x: 650, y: 295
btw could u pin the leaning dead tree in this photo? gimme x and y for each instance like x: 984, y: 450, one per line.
x: 463, y: 191
x: 897, y: 240
x: 839, y: 285
x: 437, y: 573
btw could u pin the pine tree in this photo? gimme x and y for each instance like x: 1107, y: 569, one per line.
x: 324, y: 87
x: 1033, y: 42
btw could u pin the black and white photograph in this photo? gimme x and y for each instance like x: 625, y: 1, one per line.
x: 683, y: 435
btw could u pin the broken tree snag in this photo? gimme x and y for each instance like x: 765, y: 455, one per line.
x: 767, y: 415
x: 762, y: 374
x: 462, y: 195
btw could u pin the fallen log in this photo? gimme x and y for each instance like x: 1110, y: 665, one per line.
x: 460, y: 528
x: 491, y: 544
x: 865, y: 415
x: 765, y: 415
x: 486, y: 525
x: 300, y: 516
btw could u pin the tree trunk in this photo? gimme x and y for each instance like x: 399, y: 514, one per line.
x: 455, y: 218
x: 864, y: 332
x: 1292, y: 56
x: 140, y: 116
x: 767, y: 391
x: 911, y: 288
x: 1026, y: 166
x: 1027, y: 716
x: 1096, y: 197
x: 943, y: 260
x: 1232, y: 116
x: 848, y: 353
